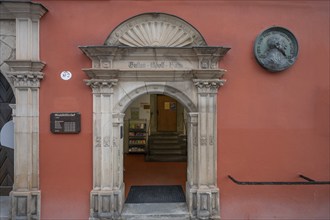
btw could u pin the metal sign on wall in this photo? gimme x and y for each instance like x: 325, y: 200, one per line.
x: 65, y: 122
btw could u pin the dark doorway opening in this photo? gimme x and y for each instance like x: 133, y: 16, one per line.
x: 163, y: 161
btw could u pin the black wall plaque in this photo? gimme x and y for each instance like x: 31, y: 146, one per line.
x: 65, y: 122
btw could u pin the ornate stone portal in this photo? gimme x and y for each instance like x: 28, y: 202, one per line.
x: 154, y: 54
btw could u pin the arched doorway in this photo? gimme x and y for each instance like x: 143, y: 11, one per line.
x: 154, y: 53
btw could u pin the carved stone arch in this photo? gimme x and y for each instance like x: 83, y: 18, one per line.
x: 155, y: 88
x: 155, y: 29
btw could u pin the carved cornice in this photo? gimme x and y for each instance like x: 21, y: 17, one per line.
x: 209, y: 57
x: 154, y: 63
x: 208, y: 85
x: 25, y: 65
x: 155, y: 30
x: 13, y: 10
x: 101, y: 85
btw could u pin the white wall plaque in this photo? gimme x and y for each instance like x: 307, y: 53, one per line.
x: 66, y: 75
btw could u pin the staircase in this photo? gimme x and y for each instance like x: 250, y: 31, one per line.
x: 167, y: 146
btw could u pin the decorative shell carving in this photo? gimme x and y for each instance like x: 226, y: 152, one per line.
x: 155, y: 30
x: 156, y: 33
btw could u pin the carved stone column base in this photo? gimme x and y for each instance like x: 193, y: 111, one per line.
x: 25, y: 205
x: 106, y: 204
x: 203, y: 202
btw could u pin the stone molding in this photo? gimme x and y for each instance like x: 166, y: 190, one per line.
x: 25, y: 65
x: 13, y: 10
x: 116, y: 60
x: 209, y: 57
x: 155, y: 29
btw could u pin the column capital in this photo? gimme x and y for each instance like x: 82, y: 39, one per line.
x: 25, y: 73
x: 101, y: 85
x: 26, y: 79
x: 118, y: 118
x: 193, y: 117
x: 208, y: 85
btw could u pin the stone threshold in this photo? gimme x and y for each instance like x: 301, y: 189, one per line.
x: 148, y: 211
x: 4, y: 207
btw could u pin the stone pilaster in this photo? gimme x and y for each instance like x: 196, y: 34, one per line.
x: 192, y: 169
x: 26, y: 76
x: 117, y: 161
x: 204, y: 192
x: 106, y: 196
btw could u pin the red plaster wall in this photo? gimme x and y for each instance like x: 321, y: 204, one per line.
x: 271, y: 127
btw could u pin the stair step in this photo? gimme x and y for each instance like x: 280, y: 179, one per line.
x: 169, y: 152
x: 164, y: 136
x: 163, y: 142
x: 167, y: 146
x: 162, y: 211
x: 166, y: 158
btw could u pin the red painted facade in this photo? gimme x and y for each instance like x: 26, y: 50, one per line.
x: 271, y: 126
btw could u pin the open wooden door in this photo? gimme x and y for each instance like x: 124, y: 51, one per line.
x: 166, y: 114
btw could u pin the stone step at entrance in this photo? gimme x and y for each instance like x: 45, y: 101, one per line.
x: 154, y: 211
x: 167, y: 146
x: 4, y: 207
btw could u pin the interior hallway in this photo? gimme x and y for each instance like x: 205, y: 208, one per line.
x: 139, y: 172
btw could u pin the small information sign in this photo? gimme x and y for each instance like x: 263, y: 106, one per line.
x: 65, y: 122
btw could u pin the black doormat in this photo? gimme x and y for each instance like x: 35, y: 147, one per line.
x: 156, y: 194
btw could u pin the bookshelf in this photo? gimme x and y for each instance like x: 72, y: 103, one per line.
x: 137, y: 136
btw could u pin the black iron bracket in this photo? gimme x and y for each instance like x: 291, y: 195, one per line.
x: 309, y: 182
